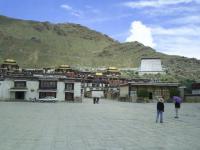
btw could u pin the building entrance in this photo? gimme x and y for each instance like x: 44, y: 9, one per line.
x: 20, y: 95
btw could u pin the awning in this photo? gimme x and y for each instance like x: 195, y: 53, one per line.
x: 18, y: 89
x: 47, y: 90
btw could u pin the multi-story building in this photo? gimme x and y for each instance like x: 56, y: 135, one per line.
x: 36, y: 87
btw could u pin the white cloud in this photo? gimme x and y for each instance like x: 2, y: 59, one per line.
x: 141, y: 33
x: 156, y: 3
x: 67, y: 7
x: 179, y: 31
x: 192, y: 19
x: 179, y: 46
x: 72, y: 11
x: 173, y: 10
x: 182, y: 41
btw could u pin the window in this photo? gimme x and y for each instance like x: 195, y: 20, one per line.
x: 20, y: 84
x: 95, y: 85
x: 45, y: 94
x: 48, y: 84
x: 69, y: 86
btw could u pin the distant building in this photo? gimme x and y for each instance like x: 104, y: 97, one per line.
x: 195, y: 96
x: 112, y: 71
x: 196, y: 88
x: 9, y: 65
x: 64, y: 68
x: 150, y: 90
x: 150, y: 66
x: 35, y: 87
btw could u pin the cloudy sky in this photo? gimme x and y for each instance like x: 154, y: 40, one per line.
x: 169, y: 26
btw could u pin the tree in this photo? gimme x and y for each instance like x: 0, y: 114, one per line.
x: 174, y: 92
x: 142, y: 93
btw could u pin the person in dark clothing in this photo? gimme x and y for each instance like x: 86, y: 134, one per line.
x: 177, y: 107
x: 97, y: 100
x: 94, y: 100
x: 160, y: 110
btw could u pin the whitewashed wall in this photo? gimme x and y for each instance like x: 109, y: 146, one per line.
x: 77, y: 89
x: 151, y: 65
x: 32, y: 90
x: 195, y: 92
x: 5, y: 93
x: 124, y: 91
x: 60, y: 95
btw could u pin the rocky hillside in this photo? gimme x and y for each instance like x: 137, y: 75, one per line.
x: 44, y: 44
x: 39, y: 44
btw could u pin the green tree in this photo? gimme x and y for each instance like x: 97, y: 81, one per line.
x: 142, y: 93
x: 174, y: 92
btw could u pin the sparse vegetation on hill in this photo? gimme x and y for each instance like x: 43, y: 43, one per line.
x: 43, y: 44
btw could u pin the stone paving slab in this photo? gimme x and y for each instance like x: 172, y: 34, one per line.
x: 110, y: 125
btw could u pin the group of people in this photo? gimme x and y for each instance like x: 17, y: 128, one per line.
x: 161, y: 107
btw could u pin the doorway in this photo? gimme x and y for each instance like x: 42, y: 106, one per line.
x: 20, y: 95
x: 69, y: 96
x: 150, y: 95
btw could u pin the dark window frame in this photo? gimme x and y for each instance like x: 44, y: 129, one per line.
x: 69, y: 86
x: 48, y: 84
x: 20, y: 84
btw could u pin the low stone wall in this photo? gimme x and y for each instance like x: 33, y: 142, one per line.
x: 192, y: 98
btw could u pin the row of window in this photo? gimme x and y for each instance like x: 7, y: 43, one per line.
x: 45, y: 85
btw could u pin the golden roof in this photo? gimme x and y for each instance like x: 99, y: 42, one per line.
x: 99, y: 73
x: 64, y: 67
x: 10, y: 61
x: 112, y: 68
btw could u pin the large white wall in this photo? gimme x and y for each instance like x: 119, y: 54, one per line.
x: 77, y: 89
x: 151, y: 65
x: 195, y: 92
x: 5, y: 86
x: 60, y: 95
x: 32, y: 90
x: 124, y: 91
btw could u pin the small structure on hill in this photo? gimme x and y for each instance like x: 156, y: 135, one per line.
x: 112, y: 71
x: 10, y: 65
x: 150, y: 66
x: 64, y: 68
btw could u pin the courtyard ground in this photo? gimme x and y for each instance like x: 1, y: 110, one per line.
x: 109, y: 125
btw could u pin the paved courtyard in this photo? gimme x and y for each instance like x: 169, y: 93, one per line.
x: 109, y: 125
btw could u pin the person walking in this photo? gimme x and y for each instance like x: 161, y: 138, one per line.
x: 94, y: 100
x: 97, y: 100
x: 160, y: 110
x: 177, y: 104
x: 177, y: 107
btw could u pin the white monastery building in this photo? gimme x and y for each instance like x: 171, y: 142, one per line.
x: 29, y: 88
